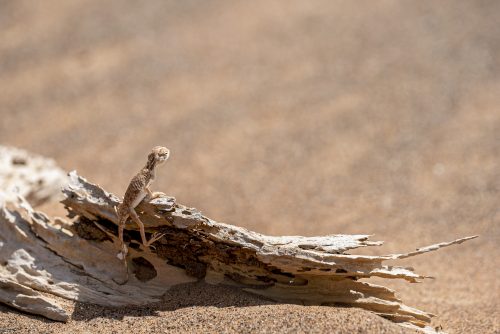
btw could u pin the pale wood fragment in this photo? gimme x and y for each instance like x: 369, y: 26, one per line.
x: 36, y: 178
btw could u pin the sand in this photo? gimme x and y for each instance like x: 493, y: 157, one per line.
x: 383, y: 116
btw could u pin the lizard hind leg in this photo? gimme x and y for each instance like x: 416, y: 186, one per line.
x: 139, y: 223
x: 154, y: 237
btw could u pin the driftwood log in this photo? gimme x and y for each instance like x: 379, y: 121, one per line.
x: 76, y: 259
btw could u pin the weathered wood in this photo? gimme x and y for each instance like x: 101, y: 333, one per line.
x: 36, y: 178
x: 42, y: 257
x: 310, y: 270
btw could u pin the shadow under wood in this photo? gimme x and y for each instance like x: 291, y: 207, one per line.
x: 178, y: 297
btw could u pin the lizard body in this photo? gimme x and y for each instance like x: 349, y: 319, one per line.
x: 137, y: 191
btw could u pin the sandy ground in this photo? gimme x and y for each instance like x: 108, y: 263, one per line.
x: 286, y: 117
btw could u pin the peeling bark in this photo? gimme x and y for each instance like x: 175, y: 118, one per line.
x: 40, y: 257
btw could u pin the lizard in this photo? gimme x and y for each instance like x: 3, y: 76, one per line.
x: 137, y: 191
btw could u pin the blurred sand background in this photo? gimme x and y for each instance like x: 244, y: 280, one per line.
x: 285, y: 117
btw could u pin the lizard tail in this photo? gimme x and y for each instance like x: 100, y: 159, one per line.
x: 121, y: 216
x: 118, y: 211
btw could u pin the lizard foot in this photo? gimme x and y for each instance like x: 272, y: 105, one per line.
x: 155, y: 237
x: 157, y: 194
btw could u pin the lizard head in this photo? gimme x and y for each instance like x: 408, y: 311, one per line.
x: 159, y: 154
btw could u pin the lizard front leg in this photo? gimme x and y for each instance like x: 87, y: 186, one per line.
x: 153, y: 195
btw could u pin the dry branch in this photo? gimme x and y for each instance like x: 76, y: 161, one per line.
x: 77, y: 260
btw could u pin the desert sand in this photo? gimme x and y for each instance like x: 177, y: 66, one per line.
x: 382, y: 116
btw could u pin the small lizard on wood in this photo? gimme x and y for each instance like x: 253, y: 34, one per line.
x: 137, y: 190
